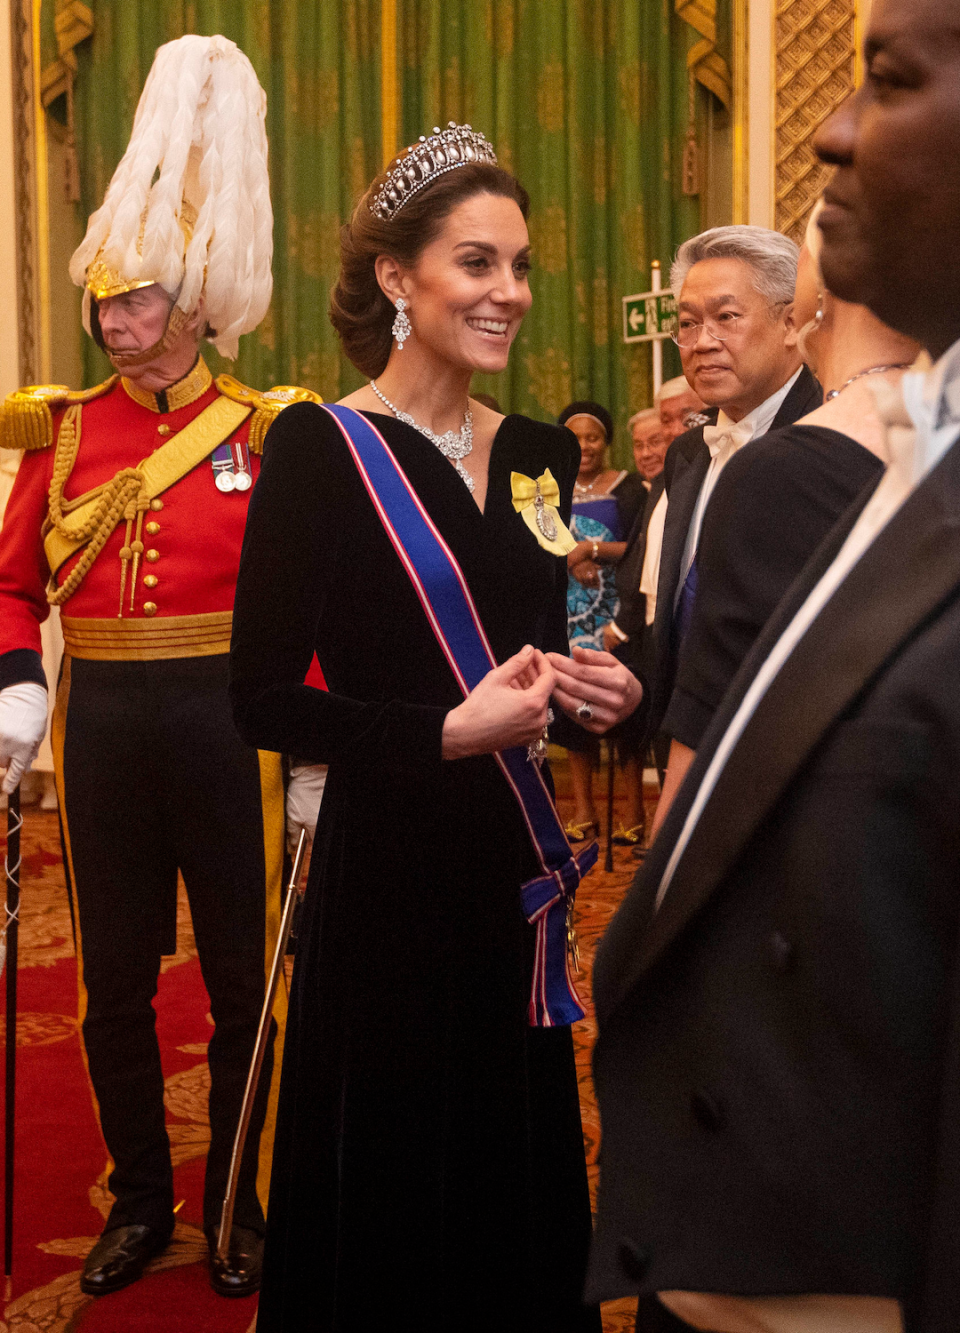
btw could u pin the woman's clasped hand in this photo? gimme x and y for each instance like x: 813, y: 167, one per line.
x: 508, y: 707
x: 598, y: 680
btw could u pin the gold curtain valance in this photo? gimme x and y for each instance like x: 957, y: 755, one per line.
x: 705, y: 61
x: 73, y: 24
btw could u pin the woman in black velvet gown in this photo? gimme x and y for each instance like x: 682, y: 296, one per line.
x: 429, y: 1168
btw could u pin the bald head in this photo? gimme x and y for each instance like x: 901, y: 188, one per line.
x: 892, y: 218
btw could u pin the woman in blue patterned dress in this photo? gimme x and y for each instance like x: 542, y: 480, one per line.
x: 602, y: 517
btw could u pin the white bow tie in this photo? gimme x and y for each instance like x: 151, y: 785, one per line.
x: 727, y: 440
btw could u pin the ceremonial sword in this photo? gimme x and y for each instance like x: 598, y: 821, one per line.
x: 259, y: 1050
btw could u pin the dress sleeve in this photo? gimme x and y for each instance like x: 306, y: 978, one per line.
x: 771, y: 508
x: 299, y: 503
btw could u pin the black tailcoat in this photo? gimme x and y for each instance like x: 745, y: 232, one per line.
x: 778, y: 1067
x: 429, y: 1167
x: 631, y: 617
x: 688, y: 459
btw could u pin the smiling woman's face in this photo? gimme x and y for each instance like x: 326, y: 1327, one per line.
x: 593, y: 441
x: 468, y: 291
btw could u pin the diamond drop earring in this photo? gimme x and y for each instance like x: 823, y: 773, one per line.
x: 401, y: 325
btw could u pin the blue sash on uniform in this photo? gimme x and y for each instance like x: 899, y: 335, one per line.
x: 547, y: 900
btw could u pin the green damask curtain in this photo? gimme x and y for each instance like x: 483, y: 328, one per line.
x: 320, y: 66
x: 586, y: 100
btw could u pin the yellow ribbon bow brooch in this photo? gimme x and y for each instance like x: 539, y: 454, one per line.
x: 536, y: 503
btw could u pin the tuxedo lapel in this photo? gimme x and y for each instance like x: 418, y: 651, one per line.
x: 804, y: 397
x: 681, y: 502
x: 690, y: 469
x: 915, y: 563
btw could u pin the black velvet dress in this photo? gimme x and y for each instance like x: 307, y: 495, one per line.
x: 429, y: 1164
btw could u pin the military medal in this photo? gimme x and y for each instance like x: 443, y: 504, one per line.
x: 242, y: 479
x: 222, y: 462
x: 231, y: 467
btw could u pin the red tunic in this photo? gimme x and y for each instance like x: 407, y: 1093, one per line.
x: 198, y: 530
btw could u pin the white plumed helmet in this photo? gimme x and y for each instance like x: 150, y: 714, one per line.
x: 204, y: 226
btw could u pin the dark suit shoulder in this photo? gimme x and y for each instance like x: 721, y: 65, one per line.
x: 805, y: 395
x: 682, y: 452
x: 805, y: 466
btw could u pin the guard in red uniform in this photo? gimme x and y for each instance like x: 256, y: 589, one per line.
x: 128, y: 512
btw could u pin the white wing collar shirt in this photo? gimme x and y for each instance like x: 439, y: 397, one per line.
x: 921, y: 426
x: 723, y: 440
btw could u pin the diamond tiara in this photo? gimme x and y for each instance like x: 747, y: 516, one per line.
x: 445, y: 150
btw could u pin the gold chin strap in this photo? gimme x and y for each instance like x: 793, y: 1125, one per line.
x: 176, y: 324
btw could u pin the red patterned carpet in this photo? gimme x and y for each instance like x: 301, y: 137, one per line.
x: 61, y: 1198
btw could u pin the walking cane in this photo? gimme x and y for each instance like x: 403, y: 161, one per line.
x: 259, y: 1050
x: 8, y: 958
x: 611, y: 777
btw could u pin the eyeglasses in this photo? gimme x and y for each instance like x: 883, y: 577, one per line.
x: 686, y: 331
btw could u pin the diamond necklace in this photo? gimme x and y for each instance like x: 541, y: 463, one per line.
x: 873, y: 370
x: 452, y: 444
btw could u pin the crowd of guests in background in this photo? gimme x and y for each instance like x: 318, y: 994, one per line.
x: 618, y: 523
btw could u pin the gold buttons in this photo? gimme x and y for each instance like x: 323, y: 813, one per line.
x: 150, y: 581
x: 153, y: 529
x: 163, y: 430
x: 153, y: 556
x: 156, y: 505
x: 149, y: 608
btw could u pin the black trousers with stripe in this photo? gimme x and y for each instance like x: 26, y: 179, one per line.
x: 154, y: 779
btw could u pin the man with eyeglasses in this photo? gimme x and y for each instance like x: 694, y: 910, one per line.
x: 738, y: 348
x: 778, y: 997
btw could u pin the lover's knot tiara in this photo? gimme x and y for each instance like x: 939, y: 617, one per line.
x: 445, y: 150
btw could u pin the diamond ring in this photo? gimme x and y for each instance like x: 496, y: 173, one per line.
x: 585, y: 712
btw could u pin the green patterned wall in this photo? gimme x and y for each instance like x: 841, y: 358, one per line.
x: 586, y: 100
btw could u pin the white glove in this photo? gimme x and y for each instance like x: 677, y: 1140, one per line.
x: 23, y: 725
x: 304, y: 795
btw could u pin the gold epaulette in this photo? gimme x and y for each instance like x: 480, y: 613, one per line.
x: 26, y: 416
x: 266, y: 406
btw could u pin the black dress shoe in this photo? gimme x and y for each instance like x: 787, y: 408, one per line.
x: 238, y: 1274
x: 119, y: 1258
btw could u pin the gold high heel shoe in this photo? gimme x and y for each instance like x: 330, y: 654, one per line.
x: 581, y: 832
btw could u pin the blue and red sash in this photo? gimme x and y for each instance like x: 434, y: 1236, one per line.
x: 447, y: 602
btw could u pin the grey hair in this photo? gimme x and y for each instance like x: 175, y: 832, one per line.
x: 672, y: 389
x: 645, y: 415
x: 771, y: 255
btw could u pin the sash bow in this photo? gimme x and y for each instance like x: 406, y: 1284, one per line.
x: 536, y: 500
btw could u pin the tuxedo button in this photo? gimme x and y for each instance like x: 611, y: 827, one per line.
x: 707, y: 1111
x: 781, y: 951
x: 634, y: 1260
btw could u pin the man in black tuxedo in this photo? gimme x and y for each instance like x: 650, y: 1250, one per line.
x: 738, y: 346
x: 630, y: 634
x: 778, y: 997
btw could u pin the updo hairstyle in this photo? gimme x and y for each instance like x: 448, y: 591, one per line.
x: 359, y: 310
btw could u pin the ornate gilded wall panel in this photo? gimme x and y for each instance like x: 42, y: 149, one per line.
x: 815, y: 67
x: 23, y: 131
